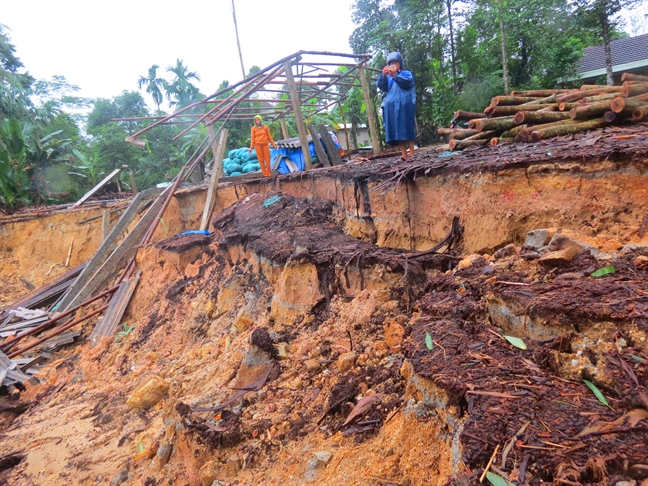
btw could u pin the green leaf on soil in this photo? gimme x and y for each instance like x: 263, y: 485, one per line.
x: 517, y: 342
x: 496, y: 480
x: 603, y: 271
x: 637, y: 358
x: 428, y: 341
x: 597, y: 393
x: 140, y: 448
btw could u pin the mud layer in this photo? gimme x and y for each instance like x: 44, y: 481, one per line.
x: 313, y: 340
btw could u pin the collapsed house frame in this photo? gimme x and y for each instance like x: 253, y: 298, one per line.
x: 300, y: 85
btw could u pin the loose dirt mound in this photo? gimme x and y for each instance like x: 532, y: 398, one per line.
x: 295, y: 353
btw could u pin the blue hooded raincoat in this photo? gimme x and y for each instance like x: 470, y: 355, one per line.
x: 399, y: 106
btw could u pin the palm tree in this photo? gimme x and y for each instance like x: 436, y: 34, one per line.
x: 180, y: 92
x: 154, y: 85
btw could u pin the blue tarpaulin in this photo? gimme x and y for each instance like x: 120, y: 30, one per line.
x: 296, y: 156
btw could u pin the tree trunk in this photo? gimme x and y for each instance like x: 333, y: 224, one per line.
x: 566, y: 129
x: 539, y: 117
x: 507, y: 88
x: 605, y: 28
x: 354, y: 135
x: 452, y: 47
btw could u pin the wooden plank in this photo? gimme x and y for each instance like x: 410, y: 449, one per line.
x: 369, y: 103
x: 217, y: 173
x: 105, y: 181
x: 108, y: 245
x: 299, y: 120
x: 330, y: 146
x: 105, y: 225
x: 115, y: 311
x: 45, y: 293
x: 319, y: 149
x: 133, y: 183
x: 284, y: 127
x: 100, y: 279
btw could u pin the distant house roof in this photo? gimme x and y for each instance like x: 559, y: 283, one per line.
x: 627, y: 54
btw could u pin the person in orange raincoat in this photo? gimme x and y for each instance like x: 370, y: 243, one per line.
x: 260, y: 138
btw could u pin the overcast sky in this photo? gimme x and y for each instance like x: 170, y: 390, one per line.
x: 104, y: 46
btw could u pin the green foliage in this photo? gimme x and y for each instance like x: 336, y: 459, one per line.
x: 597, y: 393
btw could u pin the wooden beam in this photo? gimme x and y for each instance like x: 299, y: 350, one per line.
x: 133, y: 183
x: 330, y: 146
x: 299, y: 121
x: 106, y: 248
x: 105, y: 225
x: 284, y: 127
x: 319, y: 149
x: 373, y: 132
x: 217, y: 173
x: 105, y: 181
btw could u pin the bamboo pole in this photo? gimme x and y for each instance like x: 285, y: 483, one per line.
x: 542, y: 134
x: 633, y: 77
x: 539, y: 116
x: 590, y: 110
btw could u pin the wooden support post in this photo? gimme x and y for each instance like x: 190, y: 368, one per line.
x: 133, y: 184
x: 330, y: 146
x: 346, y: 132
x: 105, y: 225
x: 217, y: 173
x: 319, y: 149
x: 366, y: 91
x: 299, y: 120
x: 215, y: 147
x: 284, y: 127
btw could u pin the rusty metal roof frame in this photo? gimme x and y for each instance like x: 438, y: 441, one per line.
x: 311, y: 78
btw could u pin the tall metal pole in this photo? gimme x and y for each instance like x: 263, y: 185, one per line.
x: 238, y: 43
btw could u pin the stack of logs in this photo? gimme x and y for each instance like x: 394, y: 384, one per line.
x: 531, y: 116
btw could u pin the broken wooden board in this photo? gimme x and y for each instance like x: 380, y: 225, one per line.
x: 331, y: 149
x: 319, y: 149
x: 49, y: 291
x: 115, y: 311
x: 104, y: 265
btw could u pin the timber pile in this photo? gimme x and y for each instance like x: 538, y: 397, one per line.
x: 531, y: 116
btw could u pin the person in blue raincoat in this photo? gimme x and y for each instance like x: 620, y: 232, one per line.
x: 399, y: 105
